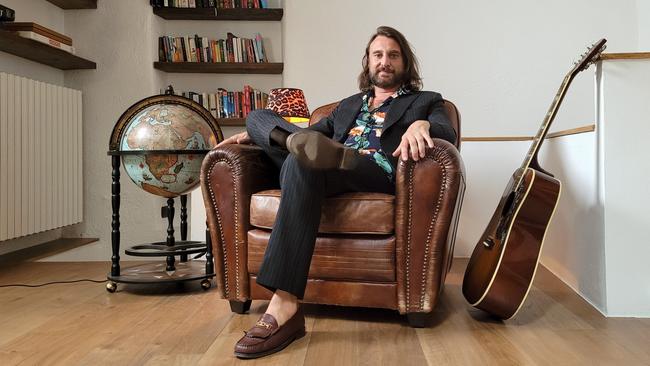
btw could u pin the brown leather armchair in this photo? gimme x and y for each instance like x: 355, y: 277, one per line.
x: 373, y: 249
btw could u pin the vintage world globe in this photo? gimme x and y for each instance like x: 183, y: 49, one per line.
x: 162, y: 141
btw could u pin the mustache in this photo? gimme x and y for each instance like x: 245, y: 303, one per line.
x: 385, y: 69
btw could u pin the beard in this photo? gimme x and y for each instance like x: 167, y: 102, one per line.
x: 393, y: 79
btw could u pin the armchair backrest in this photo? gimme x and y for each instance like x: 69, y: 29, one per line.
x: 450, y: 109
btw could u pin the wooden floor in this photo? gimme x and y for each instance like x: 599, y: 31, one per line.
x: 82, y: 324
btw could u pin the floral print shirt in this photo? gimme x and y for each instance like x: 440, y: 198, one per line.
x: 365, y: 135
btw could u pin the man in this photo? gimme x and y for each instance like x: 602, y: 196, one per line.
x: 354, y: 149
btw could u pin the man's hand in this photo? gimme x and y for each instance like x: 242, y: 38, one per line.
x: 414, y: 141
x: 240, y: 138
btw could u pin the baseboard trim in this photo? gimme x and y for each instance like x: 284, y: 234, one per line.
x: 46, y: 249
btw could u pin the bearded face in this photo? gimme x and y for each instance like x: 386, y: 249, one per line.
x: 385, y: 63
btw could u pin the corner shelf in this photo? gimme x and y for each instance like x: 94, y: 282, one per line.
x: 30, y: 49
x: 219, y: 14
x: 75, y: 4
x: 221, y: 67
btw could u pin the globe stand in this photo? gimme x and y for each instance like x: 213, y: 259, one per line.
x: 170, y: 271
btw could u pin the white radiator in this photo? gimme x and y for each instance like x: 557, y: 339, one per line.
x: 41, y: 185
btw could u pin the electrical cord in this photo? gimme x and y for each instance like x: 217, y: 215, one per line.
x: 71, y: 281
x: 52, y: 283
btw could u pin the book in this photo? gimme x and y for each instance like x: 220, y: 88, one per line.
x: 51, y: 42
x: 192, y: 55
x: 38, y: 29
x: 204, y: 49
x: 184, y: 50
x: 161, y: 49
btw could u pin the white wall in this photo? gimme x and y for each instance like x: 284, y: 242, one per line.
x: 625, y: 129
x: 643, y: 14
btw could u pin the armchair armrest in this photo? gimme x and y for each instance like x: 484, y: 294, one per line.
x: 229, y: 176
x: 428, y: 198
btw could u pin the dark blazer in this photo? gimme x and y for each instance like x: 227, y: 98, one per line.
x: 403, y: 111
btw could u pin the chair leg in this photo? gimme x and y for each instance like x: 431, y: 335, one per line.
x: 240, y: 307
x: 419, y: 320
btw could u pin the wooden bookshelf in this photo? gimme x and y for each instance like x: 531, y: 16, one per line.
x: 221, y: 67
x: 231, y: 121
x: 75, y: 4
x: 219, y: 14
x: 30, y: 49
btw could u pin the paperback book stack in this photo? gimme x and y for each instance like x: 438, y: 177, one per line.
x: 226, y: 4
x: 230, y: 104
x: 41, y: 34
x: 203, y: 49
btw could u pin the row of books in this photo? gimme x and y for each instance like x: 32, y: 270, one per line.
x: 202, y: 49
x: 230, y: 104
x: 226, y: 4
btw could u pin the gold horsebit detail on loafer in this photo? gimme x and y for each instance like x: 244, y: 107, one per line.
x: 263, y: 324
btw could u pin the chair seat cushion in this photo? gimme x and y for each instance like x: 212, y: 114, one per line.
x: 359, y: 257
x: 347, y: 213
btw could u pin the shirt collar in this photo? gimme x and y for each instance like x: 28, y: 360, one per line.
x: 403, y: 90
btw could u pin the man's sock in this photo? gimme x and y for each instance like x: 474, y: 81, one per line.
x: 279, y: 137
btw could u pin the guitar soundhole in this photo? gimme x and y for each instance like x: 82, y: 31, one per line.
x: 508, y: 204
x: 506, y: 214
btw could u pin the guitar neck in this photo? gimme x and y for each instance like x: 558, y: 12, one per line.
x: 531, y: 156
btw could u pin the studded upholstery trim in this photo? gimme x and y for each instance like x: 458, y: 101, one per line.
x: 438, y: 156
x: 234, y: 168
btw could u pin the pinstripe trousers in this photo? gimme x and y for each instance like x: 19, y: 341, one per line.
x: 303, y: 190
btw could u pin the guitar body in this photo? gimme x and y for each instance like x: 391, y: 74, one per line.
x: 502, y: 267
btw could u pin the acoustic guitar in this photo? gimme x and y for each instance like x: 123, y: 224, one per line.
x: 502, y: 267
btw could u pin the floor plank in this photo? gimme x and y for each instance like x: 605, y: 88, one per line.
x: 82, y: 324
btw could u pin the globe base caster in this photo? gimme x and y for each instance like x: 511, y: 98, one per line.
x: 111, y: 287
x: 206, y: 284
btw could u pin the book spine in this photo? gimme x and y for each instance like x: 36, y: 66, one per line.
x: 161, y: 49
x: 166, y: 45
x: 46, y: 40
x: 192, y: 43
x: 204, y: 49
x: 184, y: 53
x: 213, y: 105
x: 197, y: 42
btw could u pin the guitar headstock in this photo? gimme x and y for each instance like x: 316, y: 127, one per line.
x: 590, y: 56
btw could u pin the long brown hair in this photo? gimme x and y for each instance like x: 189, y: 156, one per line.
x: 412, y: 79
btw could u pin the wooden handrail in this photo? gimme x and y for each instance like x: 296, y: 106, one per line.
x: 572, y: 131
x: 625, y: 56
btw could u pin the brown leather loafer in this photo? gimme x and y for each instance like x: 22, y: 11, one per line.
x: 266, y: 337
x: 317, y: 151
